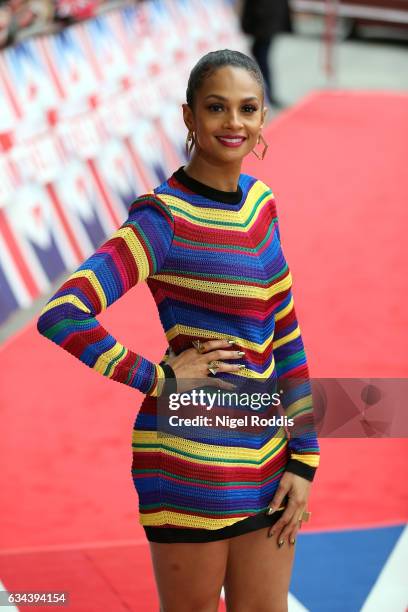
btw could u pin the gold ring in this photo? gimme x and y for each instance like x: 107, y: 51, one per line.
x: 212, y: 366
x: 305, y: 516
x: 271, y: 511
x: 198, y: 345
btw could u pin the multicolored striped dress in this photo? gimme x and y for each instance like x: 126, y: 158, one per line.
x: 214, y: 264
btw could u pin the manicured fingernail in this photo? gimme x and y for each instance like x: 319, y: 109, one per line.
x: 271, y: 534
x: 241, y: 365
x: 292, y: 540
x: 281, y: 543
x: 230, y: 341
x: 240, y: 353
x: 270, y: 510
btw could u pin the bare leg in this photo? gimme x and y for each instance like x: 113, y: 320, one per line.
x: 258, y: 573
x: 189, y: 577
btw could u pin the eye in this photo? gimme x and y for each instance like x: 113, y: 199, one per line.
x: 215, y: 107
x: 250, y: 108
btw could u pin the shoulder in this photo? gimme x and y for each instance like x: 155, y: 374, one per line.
x: 149, y: 204
x: 251, y: 184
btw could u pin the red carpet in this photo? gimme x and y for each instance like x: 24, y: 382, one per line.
x: 336, y: 163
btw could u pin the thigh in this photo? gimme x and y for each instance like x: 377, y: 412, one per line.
x: 189, y: 577
x: 258, y: 573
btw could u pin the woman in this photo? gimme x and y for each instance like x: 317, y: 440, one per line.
x: 224, y: 509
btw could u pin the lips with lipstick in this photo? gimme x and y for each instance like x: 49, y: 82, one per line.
x: 231, y: 141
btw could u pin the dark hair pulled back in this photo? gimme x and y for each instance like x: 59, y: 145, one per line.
x: 213, y: 60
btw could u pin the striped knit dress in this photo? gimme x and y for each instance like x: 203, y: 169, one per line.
x: 214, y: 264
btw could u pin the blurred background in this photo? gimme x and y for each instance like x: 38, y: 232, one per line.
x: 90, y: 118
x: 78, y: 57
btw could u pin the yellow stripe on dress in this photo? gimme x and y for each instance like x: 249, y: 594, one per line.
x: 309, y: 459
x: 185, y: 520
x: 205, y: 217
x: 209, y: 454
x: 160, y: 380
x: 108, y: 357
x: 224, y: 289
x: 299, y: 405
x: 280, y: 314
x: 137, y: 249
x: 199, y: 332
x: 66, y: 299
x: 288, y: 338
x: 94, y: 281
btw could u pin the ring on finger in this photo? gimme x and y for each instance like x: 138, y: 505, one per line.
x: 213, y: 366
x: 198, y: 345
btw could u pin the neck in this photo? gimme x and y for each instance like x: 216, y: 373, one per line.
x: 223, y: 176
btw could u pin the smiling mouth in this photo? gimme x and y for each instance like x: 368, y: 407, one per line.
x: 231, y: 141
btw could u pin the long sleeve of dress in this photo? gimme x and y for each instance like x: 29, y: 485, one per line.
x: 134, y: 252
x: 293, y: 378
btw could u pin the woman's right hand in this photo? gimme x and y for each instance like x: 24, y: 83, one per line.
x: 191, y: 367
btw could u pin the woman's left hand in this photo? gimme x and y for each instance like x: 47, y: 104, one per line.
x: 298, y: 490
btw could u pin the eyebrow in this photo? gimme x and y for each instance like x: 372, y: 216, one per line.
x: 226, y: 99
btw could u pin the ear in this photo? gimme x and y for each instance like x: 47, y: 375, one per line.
x: 264, y: 112
x: 188, y: 116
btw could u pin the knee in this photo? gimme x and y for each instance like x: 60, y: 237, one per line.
x: 257, y: 606
x: 203, y: 606
x: 194, y: 605
x: 206, y: 607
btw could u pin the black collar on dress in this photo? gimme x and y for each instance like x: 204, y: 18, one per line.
x: 229, y: 197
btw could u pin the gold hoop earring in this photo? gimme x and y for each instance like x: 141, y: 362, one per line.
x: 190, y: 138
x: 264, y: 150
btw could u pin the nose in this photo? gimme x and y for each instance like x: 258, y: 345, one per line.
x: 233, y: 119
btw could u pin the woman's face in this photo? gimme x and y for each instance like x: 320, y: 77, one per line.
x: 228, y: 114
